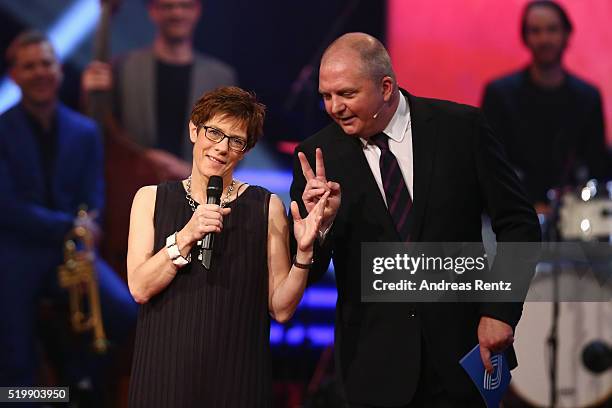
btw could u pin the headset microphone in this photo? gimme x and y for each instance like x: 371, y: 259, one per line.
x: 378, y: 112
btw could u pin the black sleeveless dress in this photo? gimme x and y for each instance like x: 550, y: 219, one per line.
x: 204, y: 340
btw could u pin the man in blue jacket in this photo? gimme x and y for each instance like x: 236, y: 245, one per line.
x: 50, y: 165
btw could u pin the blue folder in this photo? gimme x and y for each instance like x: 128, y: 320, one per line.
x: 493, y: 386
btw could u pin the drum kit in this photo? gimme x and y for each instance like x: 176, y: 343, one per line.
x: 565, y: 347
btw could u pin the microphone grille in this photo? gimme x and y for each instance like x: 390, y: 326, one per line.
x: 215, y: 186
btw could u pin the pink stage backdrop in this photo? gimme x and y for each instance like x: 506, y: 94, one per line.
x: 449, y: 49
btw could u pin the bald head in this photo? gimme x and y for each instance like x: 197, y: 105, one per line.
x: 358, y: 85
x: 373, y: 58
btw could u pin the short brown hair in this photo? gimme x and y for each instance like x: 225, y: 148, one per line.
x: 22, y: 40
x: 232, y: 102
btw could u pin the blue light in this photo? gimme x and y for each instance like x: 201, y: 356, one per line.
x: 276, y: 333
x: 9, y: 94
x: 319, y: 298
x: 295, y: 335
x: 320, y: 335
x: 316, y: 335
x: 74, y: 26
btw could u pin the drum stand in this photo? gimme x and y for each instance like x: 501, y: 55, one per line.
x: 552, y: 339
x: 551, y: 236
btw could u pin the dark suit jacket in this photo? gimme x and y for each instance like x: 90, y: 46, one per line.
x: 29, y: 230
x: 549, y: 154
x: 459, y: 172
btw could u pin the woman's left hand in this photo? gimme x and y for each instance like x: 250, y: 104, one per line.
x: 306, y: 229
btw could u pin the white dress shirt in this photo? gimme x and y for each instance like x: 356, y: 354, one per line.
x: 400, y: 144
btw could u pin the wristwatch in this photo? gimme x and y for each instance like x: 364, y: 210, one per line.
x: 174, y: 253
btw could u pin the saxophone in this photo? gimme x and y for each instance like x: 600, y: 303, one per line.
x: 77, y: 274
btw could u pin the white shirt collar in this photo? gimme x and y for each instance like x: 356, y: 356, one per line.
x: 397, y: 126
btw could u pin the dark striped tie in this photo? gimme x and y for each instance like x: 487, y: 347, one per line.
x: 399, y: 202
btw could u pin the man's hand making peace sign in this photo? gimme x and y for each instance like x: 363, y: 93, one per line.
x: 317, y: 185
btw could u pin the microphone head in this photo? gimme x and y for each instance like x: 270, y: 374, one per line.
x: 215, y: 187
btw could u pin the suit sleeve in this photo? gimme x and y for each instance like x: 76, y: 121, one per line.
x: 512, y: 217
x: 25, y: 219
x: 322, y: 251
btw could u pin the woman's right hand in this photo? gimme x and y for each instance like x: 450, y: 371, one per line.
x: 206, y: 218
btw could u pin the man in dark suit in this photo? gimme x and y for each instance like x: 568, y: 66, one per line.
x: 550, y: 121
x: 451, y: 170
x: 50, y: 165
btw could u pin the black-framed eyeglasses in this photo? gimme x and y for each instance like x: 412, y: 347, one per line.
x: 236, y: 143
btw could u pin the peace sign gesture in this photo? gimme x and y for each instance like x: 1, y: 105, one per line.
x: 317, y: 185
x: 305, y: 230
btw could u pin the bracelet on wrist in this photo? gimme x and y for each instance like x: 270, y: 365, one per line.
x: 301, y: 265
x: 174, y: 253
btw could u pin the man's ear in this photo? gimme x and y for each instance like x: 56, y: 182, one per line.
x: 193, y: 132
x: 388, y: 86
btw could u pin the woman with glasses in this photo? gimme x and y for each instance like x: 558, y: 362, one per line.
x: 203, y: 333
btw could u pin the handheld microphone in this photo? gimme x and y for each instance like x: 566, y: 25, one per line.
x: 213, y: 194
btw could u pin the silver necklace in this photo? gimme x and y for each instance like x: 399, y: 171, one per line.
x: 224, y: 202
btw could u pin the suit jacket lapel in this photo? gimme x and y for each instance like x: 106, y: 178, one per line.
x: 423, y: 156
x: 359, y: 172
x: 27, y: 147
x: 62, y: 157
